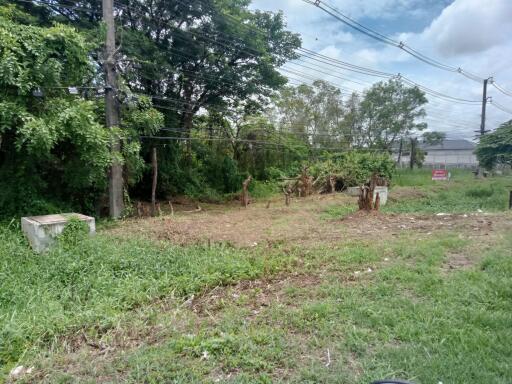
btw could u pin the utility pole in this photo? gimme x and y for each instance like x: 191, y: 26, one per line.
x: 482, y: 122
x: 412, y: 158
x: 115, y: 178
x: 484, y: 104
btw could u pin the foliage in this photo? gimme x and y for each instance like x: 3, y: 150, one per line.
x: 73, y: 233
x: 355, y: 168
x: 384, y: 114
x: 54, y: 147
x: 495, y: 148
x: 433, y: 138
x: 312, y: 113
x: 389, y: 112
x: 50, y: 138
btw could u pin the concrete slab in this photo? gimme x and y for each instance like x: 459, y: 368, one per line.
x: 42, y: 230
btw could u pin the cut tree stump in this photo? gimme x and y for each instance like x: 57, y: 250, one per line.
x: 244, y: 197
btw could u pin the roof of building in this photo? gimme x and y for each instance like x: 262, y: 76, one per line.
x: 449, y: 145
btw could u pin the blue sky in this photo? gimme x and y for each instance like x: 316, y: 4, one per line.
x: 472, y: 34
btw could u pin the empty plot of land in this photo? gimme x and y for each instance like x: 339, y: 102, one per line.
x: 308, y: 221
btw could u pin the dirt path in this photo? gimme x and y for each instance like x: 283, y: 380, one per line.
x: 304, y: 222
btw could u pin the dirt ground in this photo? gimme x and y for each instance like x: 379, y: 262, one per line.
x: 304, y: 222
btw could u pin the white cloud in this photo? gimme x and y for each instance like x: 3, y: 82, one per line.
x: 472, y: 34
x: 471, y: 26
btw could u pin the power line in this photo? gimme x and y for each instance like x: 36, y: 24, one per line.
x: 501, y: 107
x: 337, y: 14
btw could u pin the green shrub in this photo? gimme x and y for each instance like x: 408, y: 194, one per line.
x: 355, y: 168
x: 74, y: 233
x: 263, y: 189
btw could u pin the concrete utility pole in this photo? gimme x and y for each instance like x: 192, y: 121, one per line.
x: 484, y: 104
x: 115, y: 180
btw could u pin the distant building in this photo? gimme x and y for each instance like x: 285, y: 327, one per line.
x: 451, y: 153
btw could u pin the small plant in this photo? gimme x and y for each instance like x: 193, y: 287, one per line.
x: 74, y: 232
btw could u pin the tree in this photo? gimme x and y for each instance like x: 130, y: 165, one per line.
x: 433, y: 138
x: 47, y: 138
x: 313, y: 113
x: 496, y: 148
x: 53, y: 146
x: 388, y: 112
x: 203, y: 54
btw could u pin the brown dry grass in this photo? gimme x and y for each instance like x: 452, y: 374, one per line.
x: 301, y: 223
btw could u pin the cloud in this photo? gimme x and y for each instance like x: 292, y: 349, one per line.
x: 471, y: 26
x: 472, y: 34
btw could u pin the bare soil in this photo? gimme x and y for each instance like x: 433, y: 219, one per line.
x: 300, y: 223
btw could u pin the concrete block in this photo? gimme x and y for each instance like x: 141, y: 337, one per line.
x: 42, y: 230
x: 383, y: 193
x: 353, y: 191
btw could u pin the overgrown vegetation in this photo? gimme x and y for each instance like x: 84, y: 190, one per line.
x: 90, y: 282
x: 379, y: 307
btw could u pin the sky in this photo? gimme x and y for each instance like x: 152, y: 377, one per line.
x: 471, y: 34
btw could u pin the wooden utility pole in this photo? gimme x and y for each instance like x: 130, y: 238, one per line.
x: 115, y: 178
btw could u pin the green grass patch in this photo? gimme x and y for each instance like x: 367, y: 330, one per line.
x: 462, y: 194
x: 338, y: 211
x: 406, y: 319
x: 86, y: 281
x: 423, y: 177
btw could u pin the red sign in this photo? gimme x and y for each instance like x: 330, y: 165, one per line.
x: 439, y: 174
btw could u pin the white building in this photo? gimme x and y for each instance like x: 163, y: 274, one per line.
x: 450, y: 153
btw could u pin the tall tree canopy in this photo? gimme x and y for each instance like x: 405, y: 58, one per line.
x: 52, y: 141
x: 496, y: 148
x: 314, y: 112
x: 195, y: 54
x: 389, y: 111
x: 381, y: 116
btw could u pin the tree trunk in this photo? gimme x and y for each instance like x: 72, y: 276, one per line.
x: 154, y: 164
x: 244, y: 198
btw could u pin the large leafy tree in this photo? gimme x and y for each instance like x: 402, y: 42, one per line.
x: 53, y: 143
x: 196, y: 54
x: 57, y: 136
x: 314, y: 112
x: 496, y: 148
x: 389, y: 111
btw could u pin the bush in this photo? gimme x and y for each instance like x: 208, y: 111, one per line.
x: 355, y: 168
x: 263, y: 189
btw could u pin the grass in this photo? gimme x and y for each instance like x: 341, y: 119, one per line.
x: 92, y: 281
x: 405, y: 319
x: 347, y: 312
x: 338, y: 211
x: 462, y: 194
